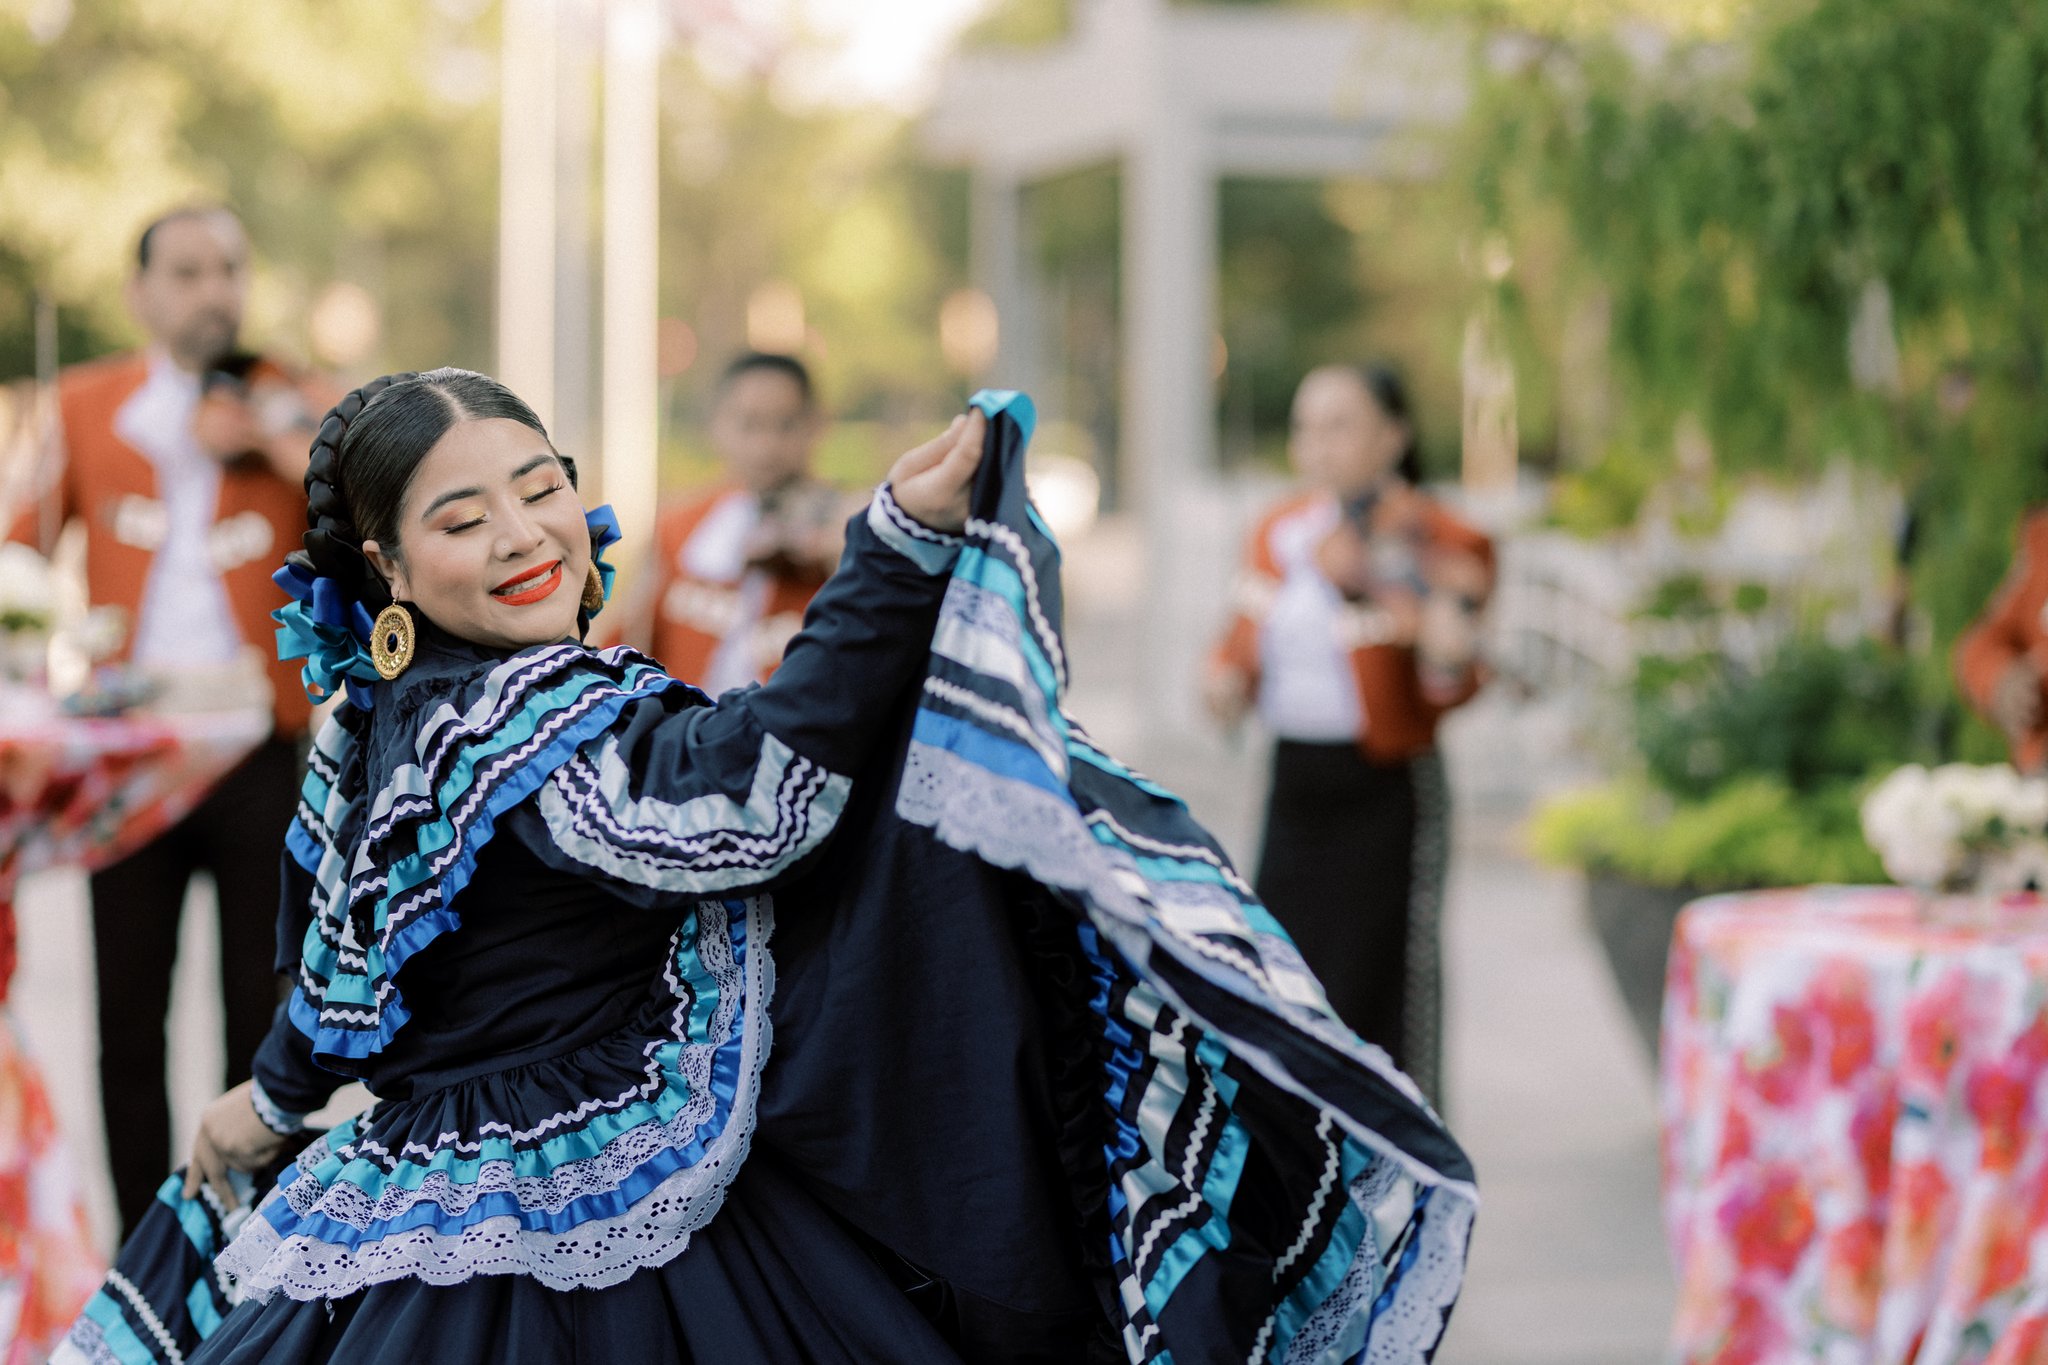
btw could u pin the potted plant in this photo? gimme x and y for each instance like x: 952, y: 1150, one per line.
x: 1739, y: 776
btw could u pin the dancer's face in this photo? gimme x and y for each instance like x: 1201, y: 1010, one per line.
x: 492, y: 544
x: 1340, y: 439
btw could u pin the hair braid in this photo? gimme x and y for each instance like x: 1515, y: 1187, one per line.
x: 333, y: 546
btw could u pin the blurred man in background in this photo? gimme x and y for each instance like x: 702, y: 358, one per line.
x: 184, y: 463
x: 735, y: 566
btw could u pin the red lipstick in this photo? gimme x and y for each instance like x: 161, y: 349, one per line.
x: 523, y: 590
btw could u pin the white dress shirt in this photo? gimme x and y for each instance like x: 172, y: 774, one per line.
x: 716, y: 552
x: 1307, y: 690
x: 185, y: 619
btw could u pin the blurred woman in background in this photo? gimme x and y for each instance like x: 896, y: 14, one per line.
x: 1354, y: 629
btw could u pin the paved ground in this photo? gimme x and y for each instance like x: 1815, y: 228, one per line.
x: 1548, y: 1089
x: 1551, y: 1093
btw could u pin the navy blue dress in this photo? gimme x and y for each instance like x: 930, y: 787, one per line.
x: 1047, y: 1084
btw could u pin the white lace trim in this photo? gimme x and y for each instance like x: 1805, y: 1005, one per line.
x: 1414, y: 1321
x: 600, y: 1252
x: 1335, y: 1331
x: 599, y: 1173
x: 85, y: 1344
x: 278, y: 1120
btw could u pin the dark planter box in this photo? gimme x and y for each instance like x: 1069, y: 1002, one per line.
x: 1634, y: 925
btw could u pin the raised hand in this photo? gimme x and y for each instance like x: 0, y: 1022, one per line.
x: 931, y: 482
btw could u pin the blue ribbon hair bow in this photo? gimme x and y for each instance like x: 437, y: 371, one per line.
x: 329, y: 630
x: 604, y: 533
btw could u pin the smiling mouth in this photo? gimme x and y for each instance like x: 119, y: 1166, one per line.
x: 531, y: 586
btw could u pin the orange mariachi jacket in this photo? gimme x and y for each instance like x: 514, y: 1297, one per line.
x: 110, y: 486
x: 2013, y: 627
x: 693, y: 615
x: 1400, y: 709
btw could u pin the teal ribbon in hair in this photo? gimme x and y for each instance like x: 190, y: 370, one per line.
x: 604, y: 533
x: 329, y: 630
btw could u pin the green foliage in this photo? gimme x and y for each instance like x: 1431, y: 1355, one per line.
x: 14, y: 619
x: 360, y: 143
x: 1681, y: 597
x: 1289, y: 298
x: 1732, y: 202
x: 831, y: 201
x: 1605, y: 497
x: 1755, y: 831
x: 1748, y: 777
x: 1728, y: 203
x: 344, y: 134
x: 1812, y: 717
x: 79, y: 332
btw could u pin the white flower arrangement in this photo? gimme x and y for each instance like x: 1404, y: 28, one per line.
x: 1960, y: 827
x: 28, y: 590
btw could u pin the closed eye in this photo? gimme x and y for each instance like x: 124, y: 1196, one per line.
x: 550, y: 489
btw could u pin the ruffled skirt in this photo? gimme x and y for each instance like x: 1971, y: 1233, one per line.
x: 775, y: 1279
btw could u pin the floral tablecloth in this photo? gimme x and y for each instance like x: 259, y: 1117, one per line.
x: 81, y: 792
x: 86, y: 791
x: 1856, y: 1129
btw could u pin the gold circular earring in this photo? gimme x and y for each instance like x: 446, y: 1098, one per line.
x: 391, y: 641
x: 593, y: 590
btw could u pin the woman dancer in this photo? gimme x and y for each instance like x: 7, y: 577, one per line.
x: 1086, y: 1107
x: 1354, y: 632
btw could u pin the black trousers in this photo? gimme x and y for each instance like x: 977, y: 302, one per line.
x: 1352, y: 865
x: 237, y: 835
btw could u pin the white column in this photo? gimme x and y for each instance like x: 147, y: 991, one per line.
x: 1169, y: 302
x: 1168, y: 429
x: 575, y: 424
x: 631, y: 394
x: 526, y: 204
x: 1000, y: 260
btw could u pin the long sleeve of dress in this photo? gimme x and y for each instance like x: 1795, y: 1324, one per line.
x: 679, y: 799
x: 289, y: 1084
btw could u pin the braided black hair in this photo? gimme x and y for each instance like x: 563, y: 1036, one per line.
x: 365, y: 454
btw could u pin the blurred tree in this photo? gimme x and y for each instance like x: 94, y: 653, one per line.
x: 1289, y: 295
x: 1827, y: 235
x: 358, y: 142
x: 759, y: 188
